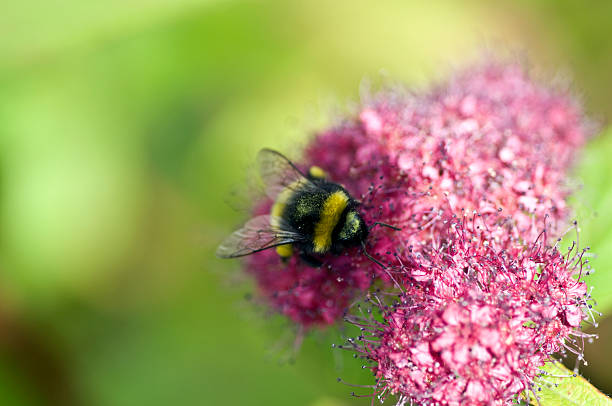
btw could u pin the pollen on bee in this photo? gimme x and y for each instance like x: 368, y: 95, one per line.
x: 285, y: 250
x: 317, y: 172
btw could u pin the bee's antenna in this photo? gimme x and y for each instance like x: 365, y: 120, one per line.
x: 378, y: 223
x: 385, y: 268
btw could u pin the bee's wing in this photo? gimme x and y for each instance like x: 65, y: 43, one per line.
x: 256, y: 235
x: 278, y: 173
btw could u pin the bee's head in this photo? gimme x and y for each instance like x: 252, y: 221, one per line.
x: 354, y: 230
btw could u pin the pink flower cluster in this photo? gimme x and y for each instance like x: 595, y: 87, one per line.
x: 309, y: 296
x: 490, y: 314
x: 474, y: 172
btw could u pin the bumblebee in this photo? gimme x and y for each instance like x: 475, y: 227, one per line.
x: 311, y: 216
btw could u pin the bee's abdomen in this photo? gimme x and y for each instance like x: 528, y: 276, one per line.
x: 279, y: 208
x: 279, y: 211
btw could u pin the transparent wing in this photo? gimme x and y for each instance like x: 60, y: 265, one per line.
x: 256, y: 235
x: 278, y: 173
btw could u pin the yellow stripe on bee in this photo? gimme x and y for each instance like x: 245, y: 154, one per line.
x: 278, y: 208
x: 330, y: 215
x: 277, y: 211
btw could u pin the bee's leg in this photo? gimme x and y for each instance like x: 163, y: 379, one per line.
x: 310, y: 260
x: 378, y: 223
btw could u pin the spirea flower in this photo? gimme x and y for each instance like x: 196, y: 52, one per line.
x: 490, y: 139
x: 492, y: 312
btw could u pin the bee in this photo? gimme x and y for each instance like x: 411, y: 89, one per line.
x: 310, y: 216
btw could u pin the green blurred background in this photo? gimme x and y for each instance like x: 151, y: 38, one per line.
x: 124, y: 127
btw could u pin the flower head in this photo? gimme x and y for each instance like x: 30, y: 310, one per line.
x: 490, y: 140
x: 490, y: 314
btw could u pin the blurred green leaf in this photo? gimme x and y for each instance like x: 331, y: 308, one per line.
x: 15, y: 389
